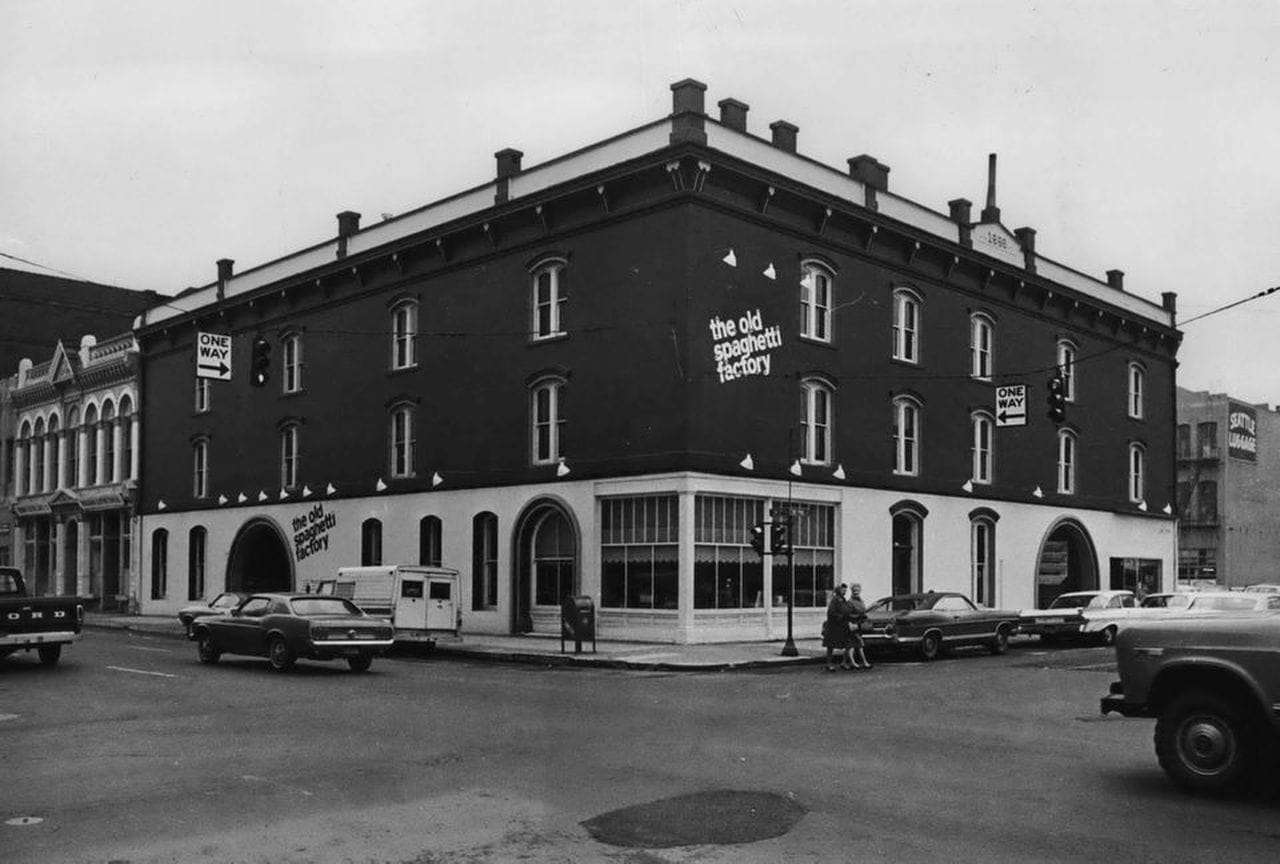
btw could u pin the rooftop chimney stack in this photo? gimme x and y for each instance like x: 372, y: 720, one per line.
x: 962, y: 215
x: 225, y: 266
x: 348, y: 224
x: 873, y: 176
x: 991, y: 213
x: 734, y: 114
x: 784, y: 135
x: 1115, y: 278
x: 1170, y: 302
x: 1027, y: 240
x: 688, y: 112
x: 508, y: 161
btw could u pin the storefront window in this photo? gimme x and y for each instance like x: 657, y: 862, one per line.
x: 813, y: 539
x: 727, y: 573
x: 639, y: 552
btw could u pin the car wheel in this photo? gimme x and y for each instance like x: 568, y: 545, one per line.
x: 282, y: 659
x: 360, y: 663
x: 1000, y: 643
x: 931, y: 645
x: 205, y: 648
x: 190, y: 625
x: 1204, y: 743
x: 1109, y: 635
x: 49, y: 654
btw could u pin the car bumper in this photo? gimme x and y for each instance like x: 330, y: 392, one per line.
x: 1114, y: 702
x: 51, y: 637
x: 889, y: 639
x: 347, y: 648
x: 1051, y: 628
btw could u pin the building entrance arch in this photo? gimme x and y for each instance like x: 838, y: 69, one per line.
x: 1067, y: 562
x: 546, y: 561
x: 259, y: 559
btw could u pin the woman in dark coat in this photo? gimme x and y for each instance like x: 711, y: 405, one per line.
x: 836, y: 632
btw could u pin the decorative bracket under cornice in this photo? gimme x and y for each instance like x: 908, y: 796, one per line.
x: 767, y: 197
x: 823, y: 220
x: 604, y: 197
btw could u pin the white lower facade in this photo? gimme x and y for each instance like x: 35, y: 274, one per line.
x: 664, y: 558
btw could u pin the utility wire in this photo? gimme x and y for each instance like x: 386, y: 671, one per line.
x: 1232, y: 305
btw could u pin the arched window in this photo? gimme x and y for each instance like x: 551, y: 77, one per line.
x: 91, y: 432
x: 1067, y: 353
x: 547, y: 299
x: 815, y: 422
x: 430, y: 538
x: 981, y: 345
x: 289, y: 454
x: 906, y: 325
x: 196, y: 542
x: 815, y: 301
x: 73, y: 448
x: 108, y: 442
x: 403, y: 423
x: 159, y: 563
x: 982, y: 559
x: 37, y: 459
x: 1137, y: 388
x: 1066, y: 461
x: 404, y: 334
x: 53, y: 452
x: 484, y: 561
x: 291, y: 360
x: 1137, y: 472
x: 370, y: 543
x: 126, y: 438
x: 554, y: 551
x: 200, y: 468
x: 545, y: 420
x: 906, y: 435
x: 982, y: 442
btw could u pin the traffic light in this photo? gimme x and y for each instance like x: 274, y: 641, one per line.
x: 781, y: 537
x: 757, y: 538
x: 1057, y: 399
x: 260, y: 365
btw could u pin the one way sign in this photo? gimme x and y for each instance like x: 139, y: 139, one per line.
x: 1011, y: 405
x: 213, y: 356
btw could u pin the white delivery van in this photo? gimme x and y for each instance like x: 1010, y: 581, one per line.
x: 421, y: 601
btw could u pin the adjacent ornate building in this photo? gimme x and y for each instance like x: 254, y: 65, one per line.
x: 595, y: 375
x: 74, y: 469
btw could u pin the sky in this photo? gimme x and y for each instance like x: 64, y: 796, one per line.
x: 142, y: 140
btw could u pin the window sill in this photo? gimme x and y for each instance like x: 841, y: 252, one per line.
x: 551, y: 337
x: 402, y: 370
x: 288, y: 394
x: 902, y: 361
x: 816, y: 342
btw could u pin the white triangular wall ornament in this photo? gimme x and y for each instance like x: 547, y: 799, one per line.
x: 380, y: 486
x: 241, y: 498
x: 968, y: 486
x: 807, y: 281
x: 160, y: 505
x: 329, y: 490
x: 748, y: 463
x: 795, y: 468
x: 1168, y: 510
x: 1142, y: 505
x: 284, y: 493
x: 306, y: 491
x: 222, y: 499
x: 1038, y: 493
x: 769, y: 272
x: 262, y: 495
x: 730, y: 259
x: 436, y: 479
x: 562, y: 470
x: 839, y: 472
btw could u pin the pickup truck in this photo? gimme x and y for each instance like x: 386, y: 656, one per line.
x: 1213, y: 685
x: 41, y: 623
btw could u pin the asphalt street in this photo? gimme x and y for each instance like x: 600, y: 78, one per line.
x: 130, y: 751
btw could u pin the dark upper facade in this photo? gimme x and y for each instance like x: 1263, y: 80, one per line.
x: 587, y: 315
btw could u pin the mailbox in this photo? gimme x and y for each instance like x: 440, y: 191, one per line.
x: 578, y: 622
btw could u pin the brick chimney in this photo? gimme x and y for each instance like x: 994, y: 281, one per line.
x: 1027, y: 240
x: 1115, y: 278
x: 688, y: 114
x: 225, y: 266
x: 962, y: 215
x: 733, y: 114
x: 1169, y: 300
x: 348, y: 224
x: 784, y: 135
x: 872, y: 175
x: 508, y: 165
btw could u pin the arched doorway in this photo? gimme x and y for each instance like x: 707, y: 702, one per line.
x: 1067, y: 562
x: 546, y: 562
x: 259, y: 560
x: 908, y: 546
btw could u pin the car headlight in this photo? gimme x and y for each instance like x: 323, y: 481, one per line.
x: 319, y: 634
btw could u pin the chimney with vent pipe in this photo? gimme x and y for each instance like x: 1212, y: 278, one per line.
x: 508, y: 164
x: 962, y: 215
x: 225, y: 266
x: 991, y: 213
x: 348, y: 224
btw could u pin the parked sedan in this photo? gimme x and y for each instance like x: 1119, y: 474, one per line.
x: 935, y: 620
x: 286, y: 627
x: 1081, y: 615
x: 220, y: 605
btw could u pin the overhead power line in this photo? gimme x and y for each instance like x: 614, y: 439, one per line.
x: 1231, y: 305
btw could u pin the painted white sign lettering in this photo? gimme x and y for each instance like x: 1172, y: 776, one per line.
x: 743, y: 346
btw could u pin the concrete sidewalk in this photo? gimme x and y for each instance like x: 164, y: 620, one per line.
x: 546, y: 650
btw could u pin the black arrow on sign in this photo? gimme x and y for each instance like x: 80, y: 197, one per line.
x: 222, y: 368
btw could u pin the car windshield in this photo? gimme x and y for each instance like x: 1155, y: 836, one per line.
x: 1076, y: 601
x: 225, y: 601
x: 324, y: 606
x: 896, y: 604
